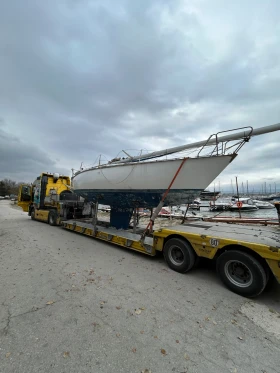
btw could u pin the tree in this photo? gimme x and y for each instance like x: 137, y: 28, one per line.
x: 3, y: 189
x: 8, y: 187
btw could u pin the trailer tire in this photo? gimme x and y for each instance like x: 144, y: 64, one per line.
x: 270, y: 279
x: 179, y: 255
x: 52, y: 218
x: 242, y: 273
x: 32, y: 214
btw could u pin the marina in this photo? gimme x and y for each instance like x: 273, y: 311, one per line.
x: 223, y: 207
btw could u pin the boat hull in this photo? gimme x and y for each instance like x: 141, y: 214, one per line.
x: 264, y: 207
x: 219, y: 207
x: 243, y: 208
x: 143, y: 184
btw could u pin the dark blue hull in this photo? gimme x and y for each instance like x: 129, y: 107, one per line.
x: 123, y: 202
x: 138, y: 198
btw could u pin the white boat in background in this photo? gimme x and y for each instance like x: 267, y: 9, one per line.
x: 195, y: 205
x: 104, y: 208
x: 243, y: 204
x: 167, y: 212
x: 263, y: 204
x: 222, y: 204
x: 208, y: 196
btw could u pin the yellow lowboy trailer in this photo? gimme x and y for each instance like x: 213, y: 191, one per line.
x: 247, y: 257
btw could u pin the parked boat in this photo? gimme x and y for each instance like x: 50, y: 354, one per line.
x: 263, y: 204
x: 269, y: 198
x: 166, y: 212
x: 206, y: 195
x: 243, y: 204
x: 220, y: 205
x: 139, y: 181
x: 195, y: 205
x: 104, y: 208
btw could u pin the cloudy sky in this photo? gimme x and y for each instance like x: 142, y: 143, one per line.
x: 80, y: 78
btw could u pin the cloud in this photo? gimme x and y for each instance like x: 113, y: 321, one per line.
x: 84, y: 78
x: 21, y: 161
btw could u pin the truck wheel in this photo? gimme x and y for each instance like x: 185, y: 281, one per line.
x: 52, y: 218
x: 32, y: 214
x: 241, y: 273
x: 179, y: 255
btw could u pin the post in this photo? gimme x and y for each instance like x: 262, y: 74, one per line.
x: 277, y: 206
x: 134, y: 219
x: 237, y: 195
x: 184, y: 217
x: 94, y: 218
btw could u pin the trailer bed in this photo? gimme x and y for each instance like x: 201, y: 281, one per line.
x: 120, y: 237
x: 266, y: 235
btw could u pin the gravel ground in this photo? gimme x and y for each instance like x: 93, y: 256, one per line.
x: 69, y: 303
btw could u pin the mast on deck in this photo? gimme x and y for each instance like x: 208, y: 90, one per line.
x: 245, y: 134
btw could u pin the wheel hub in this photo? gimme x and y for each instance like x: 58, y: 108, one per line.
x: 176, y: 255
x: 238, y: 273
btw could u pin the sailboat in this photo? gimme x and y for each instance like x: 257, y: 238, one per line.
x: 141, y: 181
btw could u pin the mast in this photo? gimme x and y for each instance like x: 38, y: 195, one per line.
x: 214, y: 139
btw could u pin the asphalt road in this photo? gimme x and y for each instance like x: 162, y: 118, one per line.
x: 69, y: 303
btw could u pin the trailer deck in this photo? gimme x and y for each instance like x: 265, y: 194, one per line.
x: 205, y: 239
x: 120, y: 237
x: 267, y: 235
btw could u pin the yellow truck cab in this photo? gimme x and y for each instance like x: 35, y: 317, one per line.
x: 45, y: 199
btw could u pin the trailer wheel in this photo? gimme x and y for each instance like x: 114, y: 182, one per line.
x: 179, y: 255
x: 52, y: 217
x: 241, y: 273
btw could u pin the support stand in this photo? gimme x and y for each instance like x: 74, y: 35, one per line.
x: 94, y: 217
